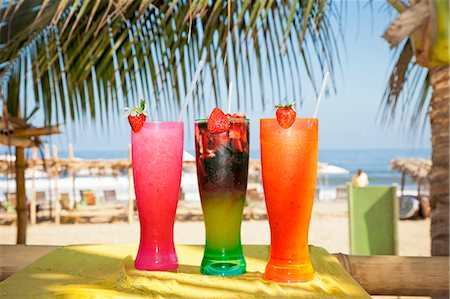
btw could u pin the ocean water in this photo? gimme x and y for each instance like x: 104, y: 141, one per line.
x: 375, y: 162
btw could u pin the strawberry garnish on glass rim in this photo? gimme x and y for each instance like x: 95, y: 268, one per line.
x: 286, y: 115
x: 218, y: 122
x: 238, y: 115
x: 136, y: 116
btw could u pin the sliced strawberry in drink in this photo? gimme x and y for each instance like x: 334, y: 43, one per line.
x: 218, y: 140
x: 245, y: 146
x: 198, y: 140
x: 243, y: 129
x: 223, y: 139
x: 201, y: 167
x: 205, y: 142
x: 237, y: 145
x: 235, y: 130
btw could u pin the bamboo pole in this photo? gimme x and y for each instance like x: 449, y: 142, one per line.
x: 130, y: 188
x: 72, y: 173
x: 49, y: 177
x: 56, y: 177
x: 398, y: 275
x: 21, y: 200
x: 33, y: 187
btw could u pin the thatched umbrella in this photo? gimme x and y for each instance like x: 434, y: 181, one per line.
x: 417, y: 168
x: 16, y: 132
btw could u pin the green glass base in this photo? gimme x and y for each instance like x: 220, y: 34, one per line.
x: 223, y: 268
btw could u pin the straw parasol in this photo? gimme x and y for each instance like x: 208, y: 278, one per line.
x: 326, y: 169
x: 417, y: 168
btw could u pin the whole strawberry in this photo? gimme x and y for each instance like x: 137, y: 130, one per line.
x: 136, y: 116
x: 286, y: 115
x: 218, y: 122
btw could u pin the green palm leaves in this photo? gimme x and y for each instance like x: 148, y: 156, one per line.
x: 87, y: 59
x: 420, y: 34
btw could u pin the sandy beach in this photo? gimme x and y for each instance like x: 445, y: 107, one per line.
x: 329, y: 229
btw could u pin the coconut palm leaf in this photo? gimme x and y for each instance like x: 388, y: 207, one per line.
x: 89, y: 58
x: 407, y: 94
x: 408, y: 91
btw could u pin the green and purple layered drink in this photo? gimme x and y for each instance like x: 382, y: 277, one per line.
x: 222, y: 169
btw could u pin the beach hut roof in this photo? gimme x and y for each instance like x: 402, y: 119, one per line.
x: 418, y: 168
x: 16, y: 131
x: 81, y: 166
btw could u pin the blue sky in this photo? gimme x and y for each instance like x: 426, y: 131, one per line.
x: 348, y: 119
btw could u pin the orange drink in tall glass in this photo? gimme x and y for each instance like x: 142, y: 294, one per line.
x: 289, y: 165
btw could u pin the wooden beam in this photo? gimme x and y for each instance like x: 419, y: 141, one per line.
x: 56, y: 178
x: 33, y: 188
x: 13, y: 258
x: 35, y: 132
x: 16, y: 141
x: 21, y: 199
x: 49, y: 177
x: 398, y: 275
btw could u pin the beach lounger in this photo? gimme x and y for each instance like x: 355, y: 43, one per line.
x: 11, y: 202
x: 65, y: 201
x: 88, y: 197
x: 110, y: 195
x: 88, y: 213
x: 9, y: 215
x: 42, y: 203
x: 111, y: 201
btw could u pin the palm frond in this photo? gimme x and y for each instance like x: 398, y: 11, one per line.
x: 89, y: 58
x: 407, y: 94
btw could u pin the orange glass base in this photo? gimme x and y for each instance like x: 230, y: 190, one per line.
x: 284, y: 272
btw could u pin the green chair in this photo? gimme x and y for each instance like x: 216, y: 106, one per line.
x: 373, y: 215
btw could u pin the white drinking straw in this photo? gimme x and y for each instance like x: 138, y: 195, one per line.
x: 191, y: 89
x: 324, y: 84
x: 230, y: 90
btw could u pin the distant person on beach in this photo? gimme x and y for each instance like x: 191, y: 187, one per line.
x: 360, y: 179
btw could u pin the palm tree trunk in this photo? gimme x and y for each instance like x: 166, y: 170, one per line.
x: 439, y: 177
x: 21, y: 200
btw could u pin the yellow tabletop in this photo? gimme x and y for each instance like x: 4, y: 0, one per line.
x: 107, y: 271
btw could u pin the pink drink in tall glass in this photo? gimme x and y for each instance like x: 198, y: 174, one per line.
x: 157, y: 161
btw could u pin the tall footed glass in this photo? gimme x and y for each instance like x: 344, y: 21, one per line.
x: 157, y: 151
x: 222, y: 168
x: 289, y: 165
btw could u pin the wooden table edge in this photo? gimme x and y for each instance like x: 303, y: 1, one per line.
x: 378, y: 275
